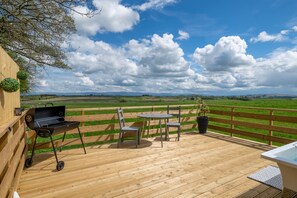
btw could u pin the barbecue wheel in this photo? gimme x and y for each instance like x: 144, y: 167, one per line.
x: 60, y: 165
x: 28, y: 162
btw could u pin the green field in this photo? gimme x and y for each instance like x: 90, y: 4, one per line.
x: 105, y: 101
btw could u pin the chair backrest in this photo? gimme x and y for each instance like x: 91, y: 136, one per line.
x: 120, y: 113
x: 176, y: 111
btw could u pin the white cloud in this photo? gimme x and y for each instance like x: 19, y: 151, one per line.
x: 154, y: 4
x: 227, y: 53
x: 277, y: 70
x: 129, y: 82
x: 58, y: 80
x: 294, y: 28
x: 98, y: 56
x: 42, y: 83
x: 78, y: 74
x: 265, y: 37
x: 160, y: 56
x: 114, y: 17
x: 183, y: 35
x: 85, y: 80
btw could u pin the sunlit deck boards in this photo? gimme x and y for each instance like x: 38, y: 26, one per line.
x: 197, y: 166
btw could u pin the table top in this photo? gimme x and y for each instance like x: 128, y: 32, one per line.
x: 155, y: 115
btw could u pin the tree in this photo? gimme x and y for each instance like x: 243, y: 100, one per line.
x: 34, y: 30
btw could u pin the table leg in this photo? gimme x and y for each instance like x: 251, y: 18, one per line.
x: 161, y: 133
x: 149, y: 126
x: 142, y: 130
x: 166, y: 131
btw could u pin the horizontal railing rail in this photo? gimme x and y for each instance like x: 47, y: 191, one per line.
x: 100, y: 125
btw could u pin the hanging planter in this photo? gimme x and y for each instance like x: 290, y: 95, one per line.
x: 10, y: 84
x: 22, y: 75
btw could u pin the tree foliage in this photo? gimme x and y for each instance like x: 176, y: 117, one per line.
x: 34, y: 30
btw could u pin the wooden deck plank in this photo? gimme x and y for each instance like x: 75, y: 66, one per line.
x: 197, y: 166
x: 193, y: 186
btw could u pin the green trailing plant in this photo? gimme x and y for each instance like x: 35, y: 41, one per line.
x: 24, y: 86
x: 10, y: 84
x: 202, y: 108
x: 22, y: 75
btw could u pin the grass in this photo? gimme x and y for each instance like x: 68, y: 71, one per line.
x: 104, y: 101
x: 110, y: 101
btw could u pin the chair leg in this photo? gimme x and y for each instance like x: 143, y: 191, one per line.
x: 120, y: 139
x: 161, y: 133
x: 137, y: 138
x: 148, y: 129
x: 167, y: 133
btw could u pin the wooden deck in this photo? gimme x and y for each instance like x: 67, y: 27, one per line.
x: 209, y: 165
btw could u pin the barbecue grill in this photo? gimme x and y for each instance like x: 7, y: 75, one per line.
x: 46, y: 121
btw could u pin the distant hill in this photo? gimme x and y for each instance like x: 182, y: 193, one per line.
x: 250, y: 96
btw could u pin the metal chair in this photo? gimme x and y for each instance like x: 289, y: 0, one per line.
x: 124, y: 128
x: 176, y: 113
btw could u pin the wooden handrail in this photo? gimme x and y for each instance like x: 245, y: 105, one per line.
x: 127, y: 107
x: 258, y: 108
x: 8, y: 126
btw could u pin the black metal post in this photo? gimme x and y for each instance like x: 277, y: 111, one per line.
x: 62, y: 141
x: 53, y: 146
x: 33, y: 149
x: 81, y: 140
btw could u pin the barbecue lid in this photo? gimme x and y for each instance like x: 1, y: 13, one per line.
x: 42, y: 116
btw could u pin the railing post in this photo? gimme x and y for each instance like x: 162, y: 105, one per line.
x: 232, y: 118
x: 270, y: 125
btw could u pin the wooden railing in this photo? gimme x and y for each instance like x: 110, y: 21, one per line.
x: 269, y: 125
x: 13, y: 151
x: 100, y: 125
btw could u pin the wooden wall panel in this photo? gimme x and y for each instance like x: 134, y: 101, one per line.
x: 8, y: 101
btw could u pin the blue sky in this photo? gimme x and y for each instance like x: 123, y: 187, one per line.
x: 211, y: 47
